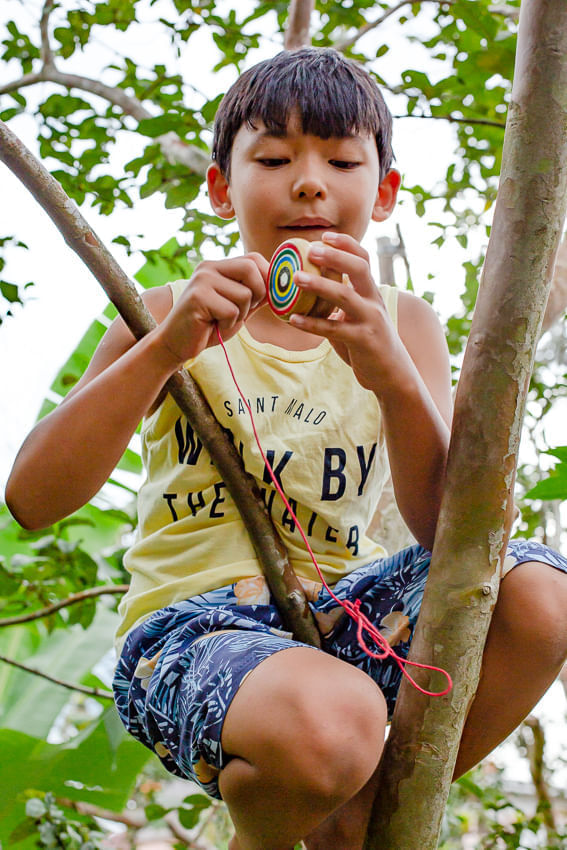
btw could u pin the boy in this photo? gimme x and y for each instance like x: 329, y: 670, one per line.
x: 290, y: 737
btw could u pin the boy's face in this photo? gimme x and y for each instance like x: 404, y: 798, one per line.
x: 301, y: 185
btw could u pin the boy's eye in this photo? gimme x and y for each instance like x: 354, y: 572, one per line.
x: 344, y: 163
x: 273, y: 162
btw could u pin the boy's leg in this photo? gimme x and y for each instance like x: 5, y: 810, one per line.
x: 525, y: 650
x: 305, y: 732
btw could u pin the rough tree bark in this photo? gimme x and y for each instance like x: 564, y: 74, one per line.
x: 272, y: 555
x: 475, y: 515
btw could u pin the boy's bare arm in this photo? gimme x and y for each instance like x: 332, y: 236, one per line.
x: 408, y: 370
x: 70, y: 454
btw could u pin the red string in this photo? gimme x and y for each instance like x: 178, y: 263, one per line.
x: 351, y: 608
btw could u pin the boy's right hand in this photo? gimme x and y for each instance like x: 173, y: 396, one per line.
x: 220, y: 293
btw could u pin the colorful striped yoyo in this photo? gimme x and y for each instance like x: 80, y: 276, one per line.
x: 284, y: 296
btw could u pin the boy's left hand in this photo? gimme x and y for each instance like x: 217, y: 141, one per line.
x: 360, y: 331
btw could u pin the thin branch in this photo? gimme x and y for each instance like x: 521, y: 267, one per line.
x: 271, y: 552
x: 343, y: 44
x: 298, y: 24
x: 91, y: 692
x: 134, y: 820
x: 179, y: 831
x: 173, y: 147
x: 23, y: 81
x: 453, y: 119
x: 536, y: 750
x: 64, y: 603
x: 46, y: 51
x: 512, y: 12
x: 137, y: 819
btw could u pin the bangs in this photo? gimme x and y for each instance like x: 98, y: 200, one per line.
x: 328, y: 105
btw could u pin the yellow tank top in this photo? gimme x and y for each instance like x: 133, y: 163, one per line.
x: 322, y: 434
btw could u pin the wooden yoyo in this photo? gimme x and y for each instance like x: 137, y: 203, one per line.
x: 284, y: 296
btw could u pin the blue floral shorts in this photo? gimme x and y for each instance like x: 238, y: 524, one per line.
x: 180, y: 669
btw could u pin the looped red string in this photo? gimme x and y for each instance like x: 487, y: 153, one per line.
x: 351, y: 608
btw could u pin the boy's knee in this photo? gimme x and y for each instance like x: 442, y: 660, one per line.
x: 340, y: 741
x: 532, y: 609
x: 309, y: 723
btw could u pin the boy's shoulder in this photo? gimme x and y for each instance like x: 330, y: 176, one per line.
x: 415, y: 311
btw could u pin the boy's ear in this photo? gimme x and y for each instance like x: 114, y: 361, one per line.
x: 219, y: 192
x: 387, y: 194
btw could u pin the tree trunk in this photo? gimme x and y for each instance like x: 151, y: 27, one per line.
x: 475, y: 515
x: 272, y: 554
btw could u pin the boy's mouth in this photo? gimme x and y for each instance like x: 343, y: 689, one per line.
x: 305, y: 223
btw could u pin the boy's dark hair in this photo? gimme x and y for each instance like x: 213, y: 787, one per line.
x: 334, y: 95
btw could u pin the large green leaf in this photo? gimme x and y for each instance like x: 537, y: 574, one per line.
x: 555, y: 486
x: 65, y: 654
x: 99, y: 766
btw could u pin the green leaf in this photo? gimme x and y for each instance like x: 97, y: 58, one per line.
x: 67, y: 655
x: 87, y: 768
x: 189, y: 818
x: 155, y: 812
x: 22, y: 831
x: 554, y: 487
x: 161, y: 124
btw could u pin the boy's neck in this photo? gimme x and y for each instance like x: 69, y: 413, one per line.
x: 264, y: 326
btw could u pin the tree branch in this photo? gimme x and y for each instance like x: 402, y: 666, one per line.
x: 63, y: 603
x: 350, y: 41
x: 137, y: 819
x: 476, y: 511
x: 91, y: 692
x: 46, y: 52
x: 172, y: 146
x: 345, y: 43
x: 453, y: 119
x: 536, y: 750
x: 272, y: 555
x: 298, y: 24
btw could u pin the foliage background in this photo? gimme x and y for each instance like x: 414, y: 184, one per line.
x: 446, y: 69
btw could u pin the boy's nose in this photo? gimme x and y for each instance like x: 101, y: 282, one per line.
x: 308, y: 184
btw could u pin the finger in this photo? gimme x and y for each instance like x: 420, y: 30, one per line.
x: 339, y: 295
x: 346, y: 256
x: 336, y: 330
x: 237, y: 294
x: 223, y: 311
x: 247, y: 270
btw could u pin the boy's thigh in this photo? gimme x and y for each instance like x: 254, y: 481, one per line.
x: 299, y: 703
x: 189, y: 692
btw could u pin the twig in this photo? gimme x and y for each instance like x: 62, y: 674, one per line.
x: 46, y: 51
x: 345, y: 43
x: 63, y: 603
x: 91, y: 692
x: 298, y: 24
x: 535, y: 750
x: 179, y: 831
x: 172, y: 146
x: 453, y: 119
x: 135, y: 820
x: 272, y: 555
